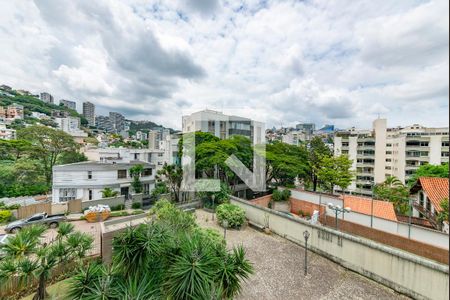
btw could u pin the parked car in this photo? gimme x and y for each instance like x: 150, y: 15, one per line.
x: 42, y: 218
x: 3, y: 239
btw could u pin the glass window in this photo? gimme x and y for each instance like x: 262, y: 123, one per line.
x: 67, y: 194
x: 121, y: 173
x: 147, y: 172
x: 89, y: 174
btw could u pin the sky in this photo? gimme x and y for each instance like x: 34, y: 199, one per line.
x: 279, y: 62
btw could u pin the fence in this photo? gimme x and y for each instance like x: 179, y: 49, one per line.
x: 404, y: 272
x: 74, y: 206
x: 421, y: 234
x: 29, y: 210
x: 113, y: 201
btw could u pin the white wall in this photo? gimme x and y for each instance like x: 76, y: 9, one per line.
x: 425, y: 235
x: 406, y: 273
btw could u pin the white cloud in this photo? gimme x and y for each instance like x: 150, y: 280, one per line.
x: 279, y: 61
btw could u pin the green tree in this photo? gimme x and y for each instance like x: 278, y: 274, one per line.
x: 49, y: 144
x: 70, y: 157
x: 27, y: 256
x: 443, y: 215
x: 393, y: 190
x: 284, y: 163
x: 136, y: 172
x: 429, y: 171
x: 172, y: 175
x: 335, y: 171
x: 317, y: 150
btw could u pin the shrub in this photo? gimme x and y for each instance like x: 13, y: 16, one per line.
x: 137, y: 212
x: 119, y: 213
x: 5, y: 216
x: 283, y: 195
x: 136, y: 205
x: 173, y: 216
x: 117, y: 207
x: 232, y: 213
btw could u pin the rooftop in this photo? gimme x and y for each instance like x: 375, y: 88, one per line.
x: 96, y: 165
x: 363, y: 205
x: 436, y: 189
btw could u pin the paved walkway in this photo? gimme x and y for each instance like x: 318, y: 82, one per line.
x: 279, y: 267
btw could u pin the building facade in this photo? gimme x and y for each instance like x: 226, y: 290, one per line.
x: 383, y: 152
x: 68, y: 104
x: 86, y: 180
x: 46, y: 97
x: 71, y: 125
x: 224, y: 126
x: 117, y: 121
x: 7, y: 133
x: 12, y: 112
x: 89, y: 113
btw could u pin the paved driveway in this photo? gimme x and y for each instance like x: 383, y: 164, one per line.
x: 279, y: 270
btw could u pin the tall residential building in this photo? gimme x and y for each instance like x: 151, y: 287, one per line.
x: 7, y: 133
x: 104, y: 123
x: 89, y: 113
x: 71, y: 125
x: 383, y: 152
x: 117, y: 121
x: 308, y: 128
x: 68, y: 104
x: 224, y: 126
x: 12, y: 112
x: 46, y: 97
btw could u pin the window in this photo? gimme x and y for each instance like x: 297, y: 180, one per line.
x: 89, y: 174
x: 136, y: 156
x: 387, y: 167
x: 121, y: 173
x: 67, y: 194
x: 445, y: 143
x: 388, y: 160
x: 424, y: 144
x: 444, y: 154
x: 37, y: 218
x: 388, y: 145
x: 147, y: 172
x: 344, y: 144
x: 90, y: 195
x: 160, y: 154
x: 388, y: 152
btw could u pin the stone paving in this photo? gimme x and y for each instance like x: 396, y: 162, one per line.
x: 279, y: 270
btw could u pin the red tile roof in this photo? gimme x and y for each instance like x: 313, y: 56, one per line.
x: 363, y: 205
x: 436, y: 189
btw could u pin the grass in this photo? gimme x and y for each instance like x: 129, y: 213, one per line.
x: 56, y: 291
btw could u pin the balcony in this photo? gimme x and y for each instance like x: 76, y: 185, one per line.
x: 432, y: 218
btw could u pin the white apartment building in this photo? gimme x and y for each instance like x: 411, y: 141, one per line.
x: 383, y: 152
x: 86, y: 180
x: 224, y: 126
x: 167, y: 152
x: 7, y: 133
x: 294, y: 137
x: 71, y: 125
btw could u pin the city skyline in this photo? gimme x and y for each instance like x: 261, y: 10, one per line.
x: 323, y: 63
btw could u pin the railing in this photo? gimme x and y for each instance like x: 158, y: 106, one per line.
x: 427, y: 213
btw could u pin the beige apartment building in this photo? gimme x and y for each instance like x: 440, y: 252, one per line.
x: 383, y: 152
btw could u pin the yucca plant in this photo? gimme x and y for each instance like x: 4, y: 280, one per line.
x: 26, y: 256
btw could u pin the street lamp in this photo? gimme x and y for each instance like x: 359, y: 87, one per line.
x: 213, y: 207
x: 337, y: 209
x: 225, y: 225
x: 306, y: 235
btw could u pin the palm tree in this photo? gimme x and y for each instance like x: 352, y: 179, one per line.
x: 26, y: 256
x: 109, y: 192
x: 393, y: 190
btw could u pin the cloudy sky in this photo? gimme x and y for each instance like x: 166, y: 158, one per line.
x: 280, y: 62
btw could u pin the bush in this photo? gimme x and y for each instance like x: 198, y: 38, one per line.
x: 5, y: 216
x: 168, y: 213
x: 232, y: 213
x: 117, y: 207
x: 136, y: 205
x: 137, y: 212
x: 283, y: 195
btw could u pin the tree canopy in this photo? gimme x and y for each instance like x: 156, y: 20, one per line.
x: 429, y: 170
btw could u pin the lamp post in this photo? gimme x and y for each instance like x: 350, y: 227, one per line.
x: 337, y: 209
x: 213, y: 207
x: 306, y: 235
x: 225, y: 225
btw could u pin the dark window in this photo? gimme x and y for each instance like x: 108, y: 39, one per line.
x: 147, y: 172
x: 90, y: 194
x: 89, y: 174
x: 37, y: 218
x: 445, y: 144
x: 121, y: 173
x: 136, y: 156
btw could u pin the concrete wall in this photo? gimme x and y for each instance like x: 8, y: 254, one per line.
x: 422, y: 234
x: 59, y: 208
x: 113, y: 201
x: 406, y: 273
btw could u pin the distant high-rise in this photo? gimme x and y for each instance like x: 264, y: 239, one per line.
x: 307, y: 128
x: 117, y: 121
x: 68, y: 104
x: 89, y: 112
x: 104, y: 123
x: 47, y: 98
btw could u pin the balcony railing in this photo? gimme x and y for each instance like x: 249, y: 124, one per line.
x: 430, y: 216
